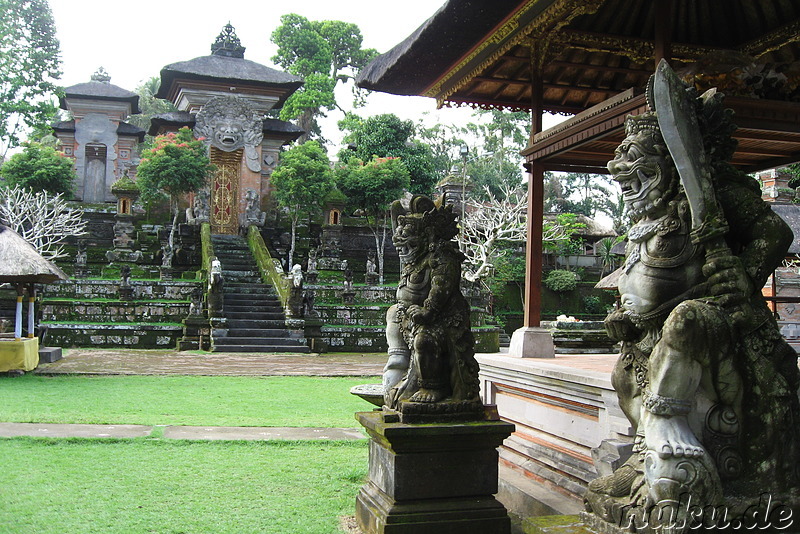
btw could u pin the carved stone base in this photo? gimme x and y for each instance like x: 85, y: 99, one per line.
x: 371, y: 279
x: 432, y: 478
x: 440, y: 412
x: 166, y: 273
x: 348, y: 297
x: 532, y: 342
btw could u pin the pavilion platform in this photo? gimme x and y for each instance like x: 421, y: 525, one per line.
x: 563, y: 408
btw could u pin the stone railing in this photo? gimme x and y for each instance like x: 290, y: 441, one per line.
x: 206, y: 250
x: 270, y: 268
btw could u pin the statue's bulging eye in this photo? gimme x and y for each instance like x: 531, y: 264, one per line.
x: 634, y: 152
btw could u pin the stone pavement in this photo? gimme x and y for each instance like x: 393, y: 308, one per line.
x: 51, y: 430
x: 170, y: 362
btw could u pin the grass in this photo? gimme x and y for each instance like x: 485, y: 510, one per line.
x: 144, y: 486
x: 182, y: 400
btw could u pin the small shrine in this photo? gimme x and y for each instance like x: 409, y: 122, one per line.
x: 97, y: 138
x: 225, y: 98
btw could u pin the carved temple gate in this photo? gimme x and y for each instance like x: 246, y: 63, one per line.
x: 225, y: 191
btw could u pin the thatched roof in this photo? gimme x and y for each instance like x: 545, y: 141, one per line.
x: 21, y: 263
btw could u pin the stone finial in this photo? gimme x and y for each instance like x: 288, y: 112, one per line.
x: 227, y: 43
x: 101, y: 75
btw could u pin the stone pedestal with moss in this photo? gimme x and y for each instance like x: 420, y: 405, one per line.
x: 431, y: 478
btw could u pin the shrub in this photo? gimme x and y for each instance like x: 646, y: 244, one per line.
x: 561, y: 281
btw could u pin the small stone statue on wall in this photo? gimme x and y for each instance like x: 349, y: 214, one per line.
x: 431, y: 371
x: 253, y: 213
x: 704, y: 377
x: 371, y: 276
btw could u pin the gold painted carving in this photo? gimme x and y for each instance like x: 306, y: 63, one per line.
x: 224, y: 191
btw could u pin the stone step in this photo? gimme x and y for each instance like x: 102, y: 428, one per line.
x: 262, y: 348
x: 242, y: 340
x: 262, y: 333
x: 257, y: 315
x: 254, y: 308
x: 256, y: 323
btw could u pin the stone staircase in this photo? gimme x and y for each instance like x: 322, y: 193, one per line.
x: 252, y: 308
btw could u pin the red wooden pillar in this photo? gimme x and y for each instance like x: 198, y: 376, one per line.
x: 531, y: 341
x: 533, y: 252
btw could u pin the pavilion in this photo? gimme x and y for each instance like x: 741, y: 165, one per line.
x: 590, y: 60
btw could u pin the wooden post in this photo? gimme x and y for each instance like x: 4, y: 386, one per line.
x: 31, y: 301
x: 531, y: 341
x: 533, y: 252
x: 18, y: 315
x: 663, y: 31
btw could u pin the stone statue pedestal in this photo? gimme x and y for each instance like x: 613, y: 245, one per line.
x: 371, y: 279
x: 166, y: 273
x: 435, y: 478
x: 348, y: 296
x: 532, y: 342
x: 125, y: 292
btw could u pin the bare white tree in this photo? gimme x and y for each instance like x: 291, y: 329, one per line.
x: 497, y: 219
x: 43, y: 220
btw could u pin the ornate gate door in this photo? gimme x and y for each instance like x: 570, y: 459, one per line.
x: 225, y: 191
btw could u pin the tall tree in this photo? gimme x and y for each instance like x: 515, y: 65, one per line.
x: 177, y: 164
x: 29, y: 67
x: 388, y: 136
x: 324, y: 53
x: 371, y: 187
x: 494, y: 163
x: 40, y: 168
x: 301, y: 181
x: 149, y: 104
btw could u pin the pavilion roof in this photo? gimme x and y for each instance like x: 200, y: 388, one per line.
x: 227, y: 70
x: 480, y: 53
x: 21, y: 263
x: 98, y: 90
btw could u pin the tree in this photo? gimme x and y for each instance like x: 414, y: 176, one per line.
x: 43, y: 220
x: 388, y: 136
x: 324, y: 53
x: 578, y: 193
x: 490, y: 223
x: 40, y: 168
x: 301, y: 181
x: 149, y: 104
x: 177, y: 164
x: 371, y: 187
x: 29, y: 67
x: 501, y: 136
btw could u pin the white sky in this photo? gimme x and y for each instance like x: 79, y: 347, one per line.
x: 134, y: 42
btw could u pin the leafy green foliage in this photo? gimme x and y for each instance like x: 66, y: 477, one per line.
x: 374, y: 185
x: 149, y: 104
x: 303, y: 178
x: 324, y: 53
x: 560, y: 281
x: 29, y: 67
x: 388, y: 136
x: 371, y: 187
x: 301, y: 182
x: 39, y: 168
x: 177, y: 164
x: 586, y: 194
x: 502, y: 136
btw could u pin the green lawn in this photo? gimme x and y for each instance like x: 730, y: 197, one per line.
x: 145, y: 486
x: 182, y: 400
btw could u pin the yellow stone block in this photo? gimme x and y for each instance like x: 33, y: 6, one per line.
x: 19, y: 355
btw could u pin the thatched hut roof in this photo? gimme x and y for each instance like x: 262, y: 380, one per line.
x: 21, y: 263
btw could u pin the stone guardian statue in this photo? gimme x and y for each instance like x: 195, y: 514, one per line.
x: 704, y: 377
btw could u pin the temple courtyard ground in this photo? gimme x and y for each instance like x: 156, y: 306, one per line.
x: 101, y: 362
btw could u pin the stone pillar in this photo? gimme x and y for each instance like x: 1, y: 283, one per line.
x: 436, y: 478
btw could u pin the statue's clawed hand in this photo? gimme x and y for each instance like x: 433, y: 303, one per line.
x: 727, y: 280
x: 621, y: 328
x: 419, y: 314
